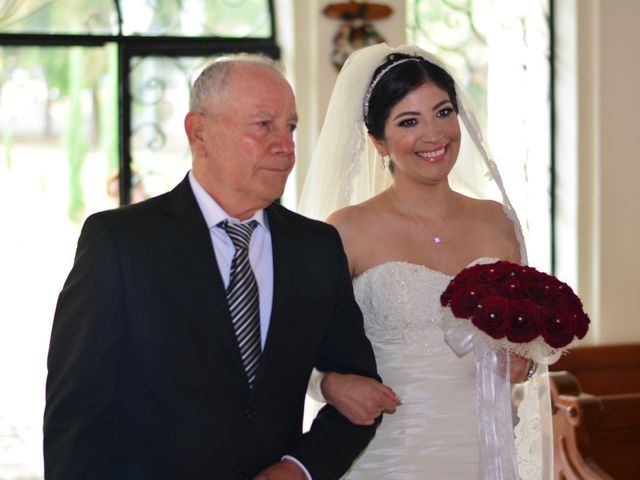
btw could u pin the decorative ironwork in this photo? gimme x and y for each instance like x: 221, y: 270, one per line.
x: 154, y: 137
x: 160, y: 88
x: 152, y: 81
x: 451, y: 30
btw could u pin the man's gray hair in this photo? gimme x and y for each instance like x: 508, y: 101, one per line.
x: 213, y: 80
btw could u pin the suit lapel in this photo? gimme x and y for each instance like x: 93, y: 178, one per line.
x: 196, y: 259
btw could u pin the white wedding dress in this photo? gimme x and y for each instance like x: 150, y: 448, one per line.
x: 433, y: 434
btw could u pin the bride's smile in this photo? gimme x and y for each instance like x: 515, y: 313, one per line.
x: 433, y: 156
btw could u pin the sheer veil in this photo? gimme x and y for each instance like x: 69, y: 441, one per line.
x: 344, y: 171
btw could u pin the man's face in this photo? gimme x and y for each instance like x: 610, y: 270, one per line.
x: 248, y: 141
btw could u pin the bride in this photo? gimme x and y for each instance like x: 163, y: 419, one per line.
x: 409, y: 222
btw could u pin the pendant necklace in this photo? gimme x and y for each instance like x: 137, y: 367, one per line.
x: 437, y: 238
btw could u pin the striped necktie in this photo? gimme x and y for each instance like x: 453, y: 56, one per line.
x: 242, y: 297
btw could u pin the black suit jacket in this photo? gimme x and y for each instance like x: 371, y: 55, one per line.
x: 145, y: 376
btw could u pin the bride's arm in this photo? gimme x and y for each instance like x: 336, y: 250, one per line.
x: 360, y: 399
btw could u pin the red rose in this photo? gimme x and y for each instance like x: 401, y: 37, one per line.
x: 464, y: 301
x: 492, y: 272
x: 492, y: 316
x: 549, y: 292
x: 581, y: 324
x: 539, y: 292
x: 513, y: 289
x: 464, y: 278
x: 467, y: 274
x: 524, y: 321
x: 445, y: 298
x: 569, y: 299
x: 529, y: 274
x: 557, y: 327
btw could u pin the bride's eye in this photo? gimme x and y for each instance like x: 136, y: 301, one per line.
x: 409, y: 122
x: 444, y: 112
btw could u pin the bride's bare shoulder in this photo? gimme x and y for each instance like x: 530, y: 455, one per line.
x: 489, y: 212
x: 356, y: 223
x: 492, y: 222
x: 356, y: 217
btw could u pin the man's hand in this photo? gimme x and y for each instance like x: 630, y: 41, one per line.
x: 360, y: 399
x: 283, y: 470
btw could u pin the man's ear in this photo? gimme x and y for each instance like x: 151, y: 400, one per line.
x: 194, y: 126
x: 194, y: 123
x: 380, y: 145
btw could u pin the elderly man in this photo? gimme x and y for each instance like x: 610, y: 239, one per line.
x: 186, y: 331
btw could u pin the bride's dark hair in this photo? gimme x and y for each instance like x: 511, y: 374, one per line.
x: 399, y: 75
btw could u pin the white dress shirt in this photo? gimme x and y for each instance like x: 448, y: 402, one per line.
x: 260, y: 257
x: 260, y: 253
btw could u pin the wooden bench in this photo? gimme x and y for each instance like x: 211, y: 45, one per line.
x: 595, y: 395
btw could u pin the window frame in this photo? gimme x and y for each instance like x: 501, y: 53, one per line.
x: 130, y: 46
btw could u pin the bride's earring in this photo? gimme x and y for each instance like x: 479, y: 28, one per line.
x: 382, y: 161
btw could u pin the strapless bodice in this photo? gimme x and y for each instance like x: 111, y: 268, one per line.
x: 401, y: 303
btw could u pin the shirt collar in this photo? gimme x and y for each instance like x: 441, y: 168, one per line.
x: 213, y: 213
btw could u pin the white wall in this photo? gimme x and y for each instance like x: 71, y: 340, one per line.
x: 609, y: 164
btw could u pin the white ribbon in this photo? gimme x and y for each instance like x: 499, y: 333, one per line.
x: 493, y: 404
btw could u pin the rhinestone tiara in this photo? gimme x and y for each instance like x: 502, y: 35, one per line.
x: 379, y: 77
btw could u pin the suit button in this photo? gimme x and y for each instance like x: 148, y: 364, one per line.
x: 250, y: 411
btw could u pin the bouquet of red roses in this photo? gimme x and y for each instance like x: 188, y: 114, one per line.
x: 520, y: 308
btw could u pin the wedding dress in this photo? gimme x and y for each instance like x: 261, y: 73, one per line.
x: 433, y: 434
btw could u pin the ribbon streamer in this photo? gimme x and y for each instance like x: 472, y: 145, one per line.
x: 493, y: 404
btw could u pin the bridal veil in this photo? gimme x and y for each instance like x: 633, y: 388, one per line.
x: 344, y: 171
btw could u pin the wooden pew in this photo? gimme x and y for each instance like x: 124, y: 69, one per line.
x: 595, y: 394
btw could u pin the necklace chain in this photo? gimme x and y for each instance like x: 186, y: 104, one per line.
x: 437, y: 238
